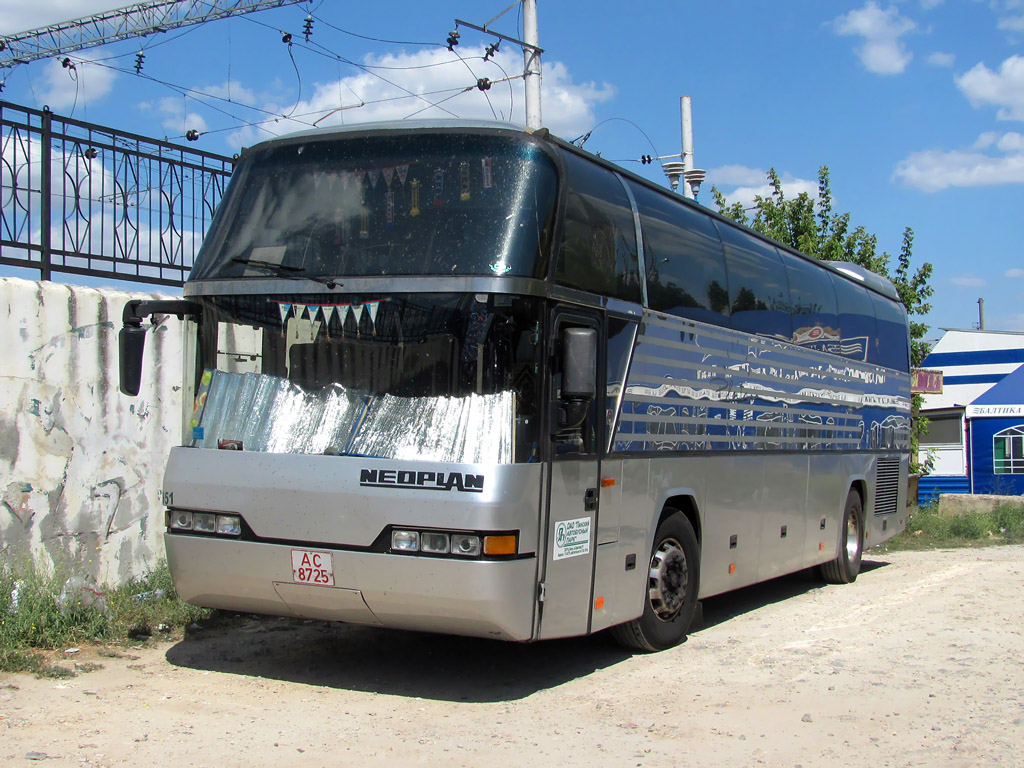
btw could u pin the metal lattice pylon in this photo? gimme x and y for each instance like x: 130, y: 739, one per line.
x: 121, y: 24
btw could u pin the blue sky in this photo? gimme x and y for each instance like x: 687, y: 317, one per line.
x: 917, y: 107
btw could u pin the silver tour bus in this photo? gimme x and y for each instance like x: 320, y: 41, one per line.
x: 467, y: 378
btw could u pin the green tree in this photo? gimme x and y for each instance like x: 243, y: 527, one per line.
x: 813, y: 227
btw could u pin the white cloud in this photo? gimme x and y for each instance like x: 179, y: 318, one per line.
x: 232, y: 90
x: 19, y: 16
x: 178, y: 120
x: 1012, y: 23
x: 968, y: 281
x: 1016, y: 272
x: 935, y: 170
x: 431, y: 85
x: 736, y: 175
x: 939, y: 59
x: 78, y: 85
x: 1004, y: 89
x: 749, y: 187
x: 882, y: 51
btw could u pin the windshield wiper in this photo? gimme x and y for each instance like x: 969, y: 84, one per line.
x: 285, y: 270
x: 270, y: 266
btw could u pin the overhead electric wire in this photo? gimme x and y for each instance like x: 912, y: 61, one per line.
x: 208, y: 99
x: 475, y: 77
x: 372, y: 39
x: 369, y: 71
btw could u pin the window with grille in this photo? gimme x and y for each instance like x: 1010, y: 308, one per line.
x: 1008, y: 451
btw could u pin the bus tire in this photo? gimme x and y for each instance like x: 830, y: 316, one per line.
x: 672, y: 586
x: 846, y: 566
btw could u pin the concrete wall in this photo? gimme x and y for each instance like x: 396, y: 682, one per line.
x: 81, y: 465
x: 980, y: 503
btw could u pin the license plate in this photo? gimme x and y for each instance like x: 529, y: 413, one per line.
x: 312, y: 567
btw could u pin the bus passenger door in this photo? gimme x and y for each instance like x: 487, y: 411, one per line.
x: 574, y: 488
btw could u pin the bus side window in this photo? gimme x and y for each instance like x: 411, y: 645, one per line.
x: 598, y: 252
x: 812, y: 302
x: 684, y: 257
x: 758, y: 290
x: 893, y: 344
x: 857, y: 329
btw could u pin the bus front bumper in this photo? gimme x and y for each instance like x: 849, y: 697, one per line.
x: 494, y: 599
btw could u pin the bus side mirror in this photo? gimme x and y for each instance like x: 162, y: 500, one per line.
x: 579, y: 375
x: 131, y: 344
x: 131, y: 341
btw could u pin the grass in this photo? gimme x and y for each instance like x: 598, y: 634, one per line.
x: 928, y: 529
x: 43, y: 611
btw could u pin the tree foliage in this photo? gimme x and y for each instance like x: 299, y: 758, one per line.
x: 813, y: 227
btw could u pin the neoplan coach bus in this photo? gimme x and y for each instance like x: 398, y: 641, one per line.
x: 466, y: 378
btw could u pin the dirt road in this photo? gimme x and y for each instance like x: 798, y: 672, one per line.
x: 919, y: 663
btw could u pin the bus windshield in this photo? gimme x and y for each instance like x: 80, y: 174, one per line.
x: 370, y: 205
x: 440, y: 377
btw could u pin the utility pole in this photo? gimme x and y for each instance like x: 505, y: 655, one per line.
x: 981, y: 314
x: 531, y: 56
x: 682, y: 169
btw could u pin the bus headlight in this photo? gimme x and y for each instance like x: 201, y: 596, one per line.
x: 405, y: 541
x: 477, y: 545
x: 203, y: 522
x: 180, y: 520
x: 431, y: 541
x: 465, y: 545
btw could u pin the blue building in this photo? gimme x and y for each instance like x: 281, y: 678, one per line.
x: 972, y: 420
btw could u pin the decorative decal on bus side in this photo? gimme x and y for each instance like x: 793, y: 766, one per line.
x: 421, y: 481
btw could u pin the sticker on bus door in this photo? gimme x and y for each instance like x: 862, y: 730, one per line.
x: 312, y: 567
x: 572, y: 538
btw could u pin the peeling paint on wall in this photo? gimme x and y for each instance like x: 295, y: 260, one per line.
x: 81, y: 465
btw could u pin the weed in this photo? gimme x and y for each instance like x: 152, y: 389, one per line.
x: 47, y: 609
x: 928, y: 529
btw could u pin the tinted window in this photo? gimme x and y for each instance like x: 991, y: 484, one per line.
x: 685, y: 262
x: 893, y: 339
x: 402, y: 204
x: 758, y: 290
x: 856, y: 319
x: 944, y: 430
x: 598, y: 251
x: 812, y: 304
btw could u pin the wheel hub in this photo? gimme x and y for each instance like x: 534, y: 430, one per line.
x: 667, y: 580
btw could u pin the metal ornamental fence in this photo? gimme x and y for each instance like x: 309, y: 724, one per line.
x: 85, y: 199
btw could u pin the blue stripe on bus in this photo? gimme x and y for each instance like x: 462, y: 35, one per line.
x: 975, y: 357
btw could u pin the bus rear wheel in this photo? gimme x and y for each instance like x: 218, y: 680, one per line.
x: 846, y: 566
x: 670, y: 599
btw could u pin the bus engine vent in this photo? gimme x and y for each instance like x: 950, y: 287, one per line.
x: 887, y: 486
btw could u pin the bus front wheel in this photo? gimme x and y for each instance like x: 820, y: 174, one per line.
x: 670, y: 597
x: 846, y: 566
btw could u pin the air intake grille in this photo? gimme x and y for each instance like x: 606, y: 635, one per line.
x: 887, y: 486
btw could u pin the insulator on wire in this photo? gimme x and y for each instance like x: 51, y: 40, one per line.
x: 139, y: 58
x: 286, y: 37
x: 192, y: 134
x: 483, y: 84
x: 645, y: 159
x: 67, y: 63
x: 307, y: 27
x: 453, y: 39
x: 91, y: 153
x: 491, y: 50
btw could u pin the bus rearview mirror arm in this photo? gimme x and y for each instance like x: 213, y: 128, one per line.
x: 132, y: 338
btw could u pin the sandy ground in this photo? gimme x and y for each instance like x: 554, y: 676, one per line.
x: 919, y: 663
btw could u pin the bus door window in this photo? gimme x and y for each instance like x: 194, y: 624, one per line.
x: 581, y: 437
